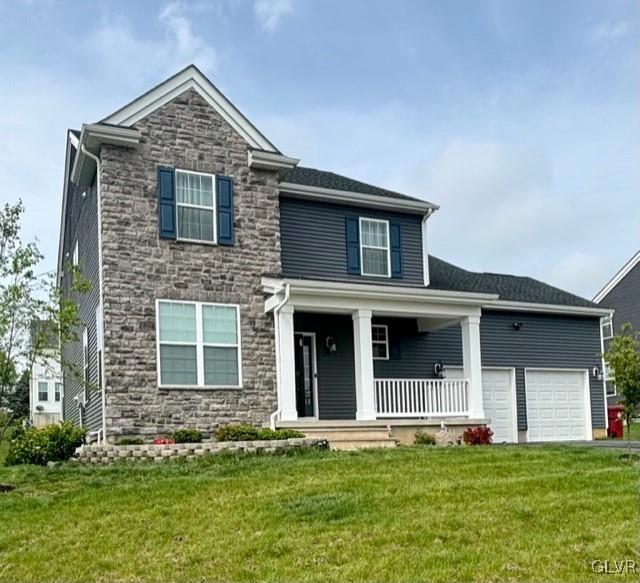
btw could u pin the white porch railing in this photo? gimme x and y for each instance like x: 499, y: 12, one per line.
x: 421, y: 397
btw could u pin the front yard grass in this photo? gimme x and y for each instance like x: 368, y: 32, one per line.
x: 410, y: 514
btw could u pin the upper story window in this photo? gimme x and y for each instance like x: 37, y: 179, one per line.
x: 198, y: 345
x: 58, y: 393
x: 76, y: 255
x: 195, y: 205
x: 606, y: 325
x: 374, y: 247
x: 43, y: 391
x: 380, y: 341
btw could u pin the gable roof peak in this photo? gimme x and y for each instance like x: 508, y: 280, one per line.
x: 190, y: 78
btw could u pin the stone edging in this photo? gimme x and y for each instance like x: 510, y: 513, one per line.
x: 109, y: 453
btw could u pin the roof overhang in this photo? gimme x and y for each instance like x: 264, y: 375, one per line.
x: 92, y: 137
x: 357, y: 199
x: 389, y: 300
x: 549, y: 308
x: 617, y: 278
x: 270, y: 160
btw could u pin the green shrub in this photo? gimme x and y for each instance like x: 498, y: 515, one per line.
x: 187, y: 436
x: 130, y: 441
x: 269, y: 434
x: 39, y: 445
x: 425, y: 438
x: 251, y: 433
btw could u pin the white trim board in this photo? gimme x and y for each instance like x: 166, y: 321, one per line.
x: 548, y: 308
x: 190, y: 78
x: 617, y: 278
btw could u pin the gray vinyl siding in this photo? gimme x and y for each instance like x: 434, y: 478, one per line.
x: 543, y: 341
x: 336, y: 376
x: 624, y: 298
x: 313, y: 241
x: 82, y: 225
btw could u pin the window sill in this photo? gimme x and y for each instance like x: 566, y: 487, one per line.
x: 197, y: 242
x: 199, y: 387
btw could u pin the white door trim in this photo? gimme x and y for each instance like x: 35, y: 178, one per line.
x: 586, y: 394
x: 514, y: 394
x: 314, y: 359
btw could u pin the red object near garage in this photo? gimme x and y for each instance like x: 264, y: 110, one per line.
x: 616, y: 425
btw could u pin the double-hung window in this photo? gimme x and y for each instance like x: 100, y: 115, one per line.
x: 380, y: 341
x: 195, y: 206
x: 374, y: 247
x: 43, y: 391
x: 58, y: 393
x: 198, y: 344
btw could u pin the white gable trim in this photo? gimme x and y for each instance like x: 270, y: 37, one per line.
x: 190, y: 78
x: 617, y: 278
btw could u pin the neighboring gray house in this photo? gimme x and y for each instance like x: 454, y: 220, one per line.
x: 622, y: 294
x: 233, y: 285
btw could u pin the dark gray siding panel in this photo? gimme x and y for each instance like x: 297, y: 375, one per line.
x: 542, y: 341
x: 625, y: 300
x: 313, y: 241
x: 336, y: 376
x: 82, y: 225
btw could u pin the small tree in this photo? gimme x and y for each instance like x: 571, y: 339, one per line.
x: 25, y: 298
x: 623, y: 360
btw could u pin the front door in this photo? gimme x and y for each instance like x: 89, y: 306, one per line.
x: 305, y: 357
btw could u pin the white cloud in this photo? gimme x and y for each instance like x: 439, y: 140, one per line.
x: 269, y: 13
x: 573, y: 270
x: 608, y: 32
x: 124, y: 53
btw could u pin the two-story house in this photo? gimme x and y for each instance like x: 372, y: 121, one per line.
x: 621, y: 294
x: 231, y: 284
x: 45, y: 391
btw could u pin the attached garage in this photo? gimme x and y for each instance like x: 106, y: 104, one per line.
x: 557, y: 405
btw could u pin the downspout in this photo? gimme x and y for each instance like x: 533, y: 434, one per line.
x: 276, y: 326
x: 102, y: 380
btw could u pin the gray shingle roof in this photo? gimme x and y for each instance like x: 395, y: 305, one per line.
x: 445, y: 276
x: 323, y: 179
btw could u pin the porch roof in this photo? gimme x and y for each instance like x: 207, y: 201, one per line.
x: 344, y: 297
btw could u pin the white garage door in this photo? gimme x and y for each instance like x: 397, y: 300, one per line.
x: 556, y: 408
x: 498, y: 396
x: 498, y: 393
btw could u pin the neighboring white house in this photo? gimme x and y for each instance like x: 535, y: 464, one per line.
x: 45, y: 397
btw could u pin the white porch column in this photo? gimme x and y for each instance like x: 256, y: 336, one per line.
x: 363, y: 358
x: 472, y: 364
x: 286, y: 348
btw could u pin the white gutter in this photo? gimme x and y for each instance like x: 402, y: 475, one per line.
x: 276, y: 325
x: 549, y: 308
x: 356, y: 198
x: 100, y: 291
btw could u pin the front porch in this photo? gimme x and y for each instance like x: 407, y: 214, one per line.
x: 328, y: 372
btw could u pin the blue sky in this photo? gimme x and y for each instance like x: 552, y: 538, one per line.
x: 520, y: 118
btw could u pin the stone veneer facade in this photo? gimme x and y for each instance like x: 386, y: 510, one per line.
x: 139, y: 267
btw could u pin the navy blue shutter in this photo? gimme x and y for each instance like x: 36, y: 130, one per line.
x: 166, y: 203
x: 353, y: 245
x: 224, y: 189
x: 396, y: 249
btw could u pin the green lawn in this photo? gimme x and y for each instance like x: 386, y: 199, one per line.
x: 410, y: 514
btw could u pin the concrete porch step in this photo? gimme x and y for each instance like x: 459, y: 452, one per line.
x: 346, y: 433
x: 346, y: 444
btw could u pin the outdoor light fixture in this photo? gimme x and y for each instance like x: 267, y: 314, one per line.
x: 597, y: 373
x: 438, y: 369
x: 331, y: 345
x: 517, y: 325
